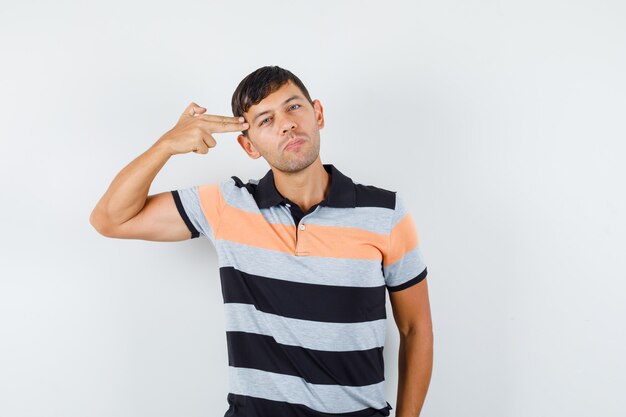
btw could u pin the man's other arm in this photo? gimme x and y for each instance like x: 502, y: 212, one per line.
x: 126, y: 211
x: 411, y: 311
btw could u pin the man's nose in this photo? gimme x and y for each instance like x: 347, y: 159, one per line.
x: 287, y: 124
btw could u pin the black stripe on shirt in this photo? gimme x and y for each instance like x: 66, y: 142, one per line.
x: 347, y: 368
x: 303, y: 301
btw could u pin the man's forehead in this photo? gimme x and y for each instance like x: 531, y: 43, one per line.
x: 286, y: 91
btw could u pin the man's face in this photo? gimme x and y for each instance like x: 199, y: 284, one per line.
x: 277, y: 121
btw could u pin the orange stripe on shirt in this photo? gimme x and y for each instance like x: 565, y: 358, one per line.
x: 212, y: 203
x: 252, y: 229
x: 326, y: 241
x: 341, y: 242
x: 402, y: 239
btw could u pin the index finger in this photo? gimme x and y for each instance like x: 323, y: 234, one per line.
x: 218, y: 118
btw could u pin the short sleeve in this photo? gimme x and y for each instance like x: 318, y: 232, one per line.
x: 200, y: 207
x: 403, y: 264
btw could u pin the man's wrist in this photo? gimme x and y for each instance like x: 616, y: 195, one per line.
x: 162, y: 148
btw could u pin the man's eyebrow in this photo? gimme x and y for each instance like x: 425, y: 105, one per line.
x: 284, y: 102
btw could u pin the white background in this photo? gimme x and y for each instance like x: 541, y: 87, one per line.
x: 501, y: 123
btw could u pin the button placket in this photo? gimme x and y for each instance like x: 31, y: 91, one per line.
x: 300, y: 250
x: 302, y: 227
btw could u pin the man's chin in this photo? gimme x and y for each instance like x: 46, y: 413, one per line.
x: 294, y: 164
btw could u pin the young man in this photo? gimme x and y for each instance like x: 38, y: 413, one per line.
x: 305, y: 256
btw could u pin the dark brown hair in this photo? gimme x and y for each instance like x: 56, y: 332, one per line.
x: 260, y: 84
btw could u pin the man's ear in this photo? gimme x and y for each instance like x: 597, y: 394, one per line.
x: 248, y: 147
x: 319, y: 113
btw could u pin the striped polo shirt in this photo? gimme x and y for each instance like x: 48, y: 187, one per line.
x: 304, y: 293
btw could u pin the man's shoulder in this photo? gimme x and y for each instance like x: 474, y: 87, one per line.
x: 236, y: 182
x: 368, y: 195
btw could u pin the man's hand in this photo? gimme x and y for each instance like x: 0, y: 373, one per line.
x: 193, y: 132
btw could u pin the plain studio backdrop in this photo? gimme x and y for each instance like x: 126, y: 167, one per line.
x: 500, y: 122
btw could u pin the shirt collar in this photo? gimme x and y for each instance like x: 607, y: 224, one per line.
x: 342, y: 193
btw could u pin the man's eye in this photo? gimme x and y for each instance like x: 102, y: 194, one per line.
x: 264, y: 120
x: 294, y: 105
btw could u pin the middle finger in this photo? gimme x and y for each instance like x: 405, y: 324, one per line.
x: 222, y: 126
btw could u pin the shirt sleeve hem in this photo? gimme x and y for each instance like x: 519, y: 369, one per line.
x: 409, y: 283
x: 183, y: 214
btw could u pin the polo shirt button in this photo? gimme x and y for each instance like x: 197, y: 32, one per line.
x: 302, y: 227
x: 288, y: 205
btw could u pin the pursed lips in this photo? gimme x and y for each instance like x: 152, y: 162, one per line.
x: 294, y: 142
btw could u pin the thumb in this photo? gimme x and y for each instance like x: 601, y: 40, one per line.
x: 193, y: 109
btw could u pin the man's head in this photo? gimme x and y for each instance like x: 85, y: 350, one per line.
x: 279, y: 110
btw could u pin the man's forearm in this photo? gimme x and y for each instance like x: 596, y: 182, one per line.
x: 128, y: 192
x: 415, y: 363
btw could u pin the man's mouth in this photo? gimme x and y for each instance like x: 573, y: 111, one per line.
x: 294, y: 142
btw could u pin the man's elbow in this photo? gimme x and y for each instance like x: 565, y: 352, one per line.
x: 421, y: 331
x: 101, y: 226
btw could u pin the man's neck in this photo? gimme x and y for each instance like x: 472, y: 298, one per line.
x: 305, y: 188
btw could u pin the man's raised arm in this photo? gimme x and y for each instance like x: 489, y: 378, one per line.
x: 126, y: 211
